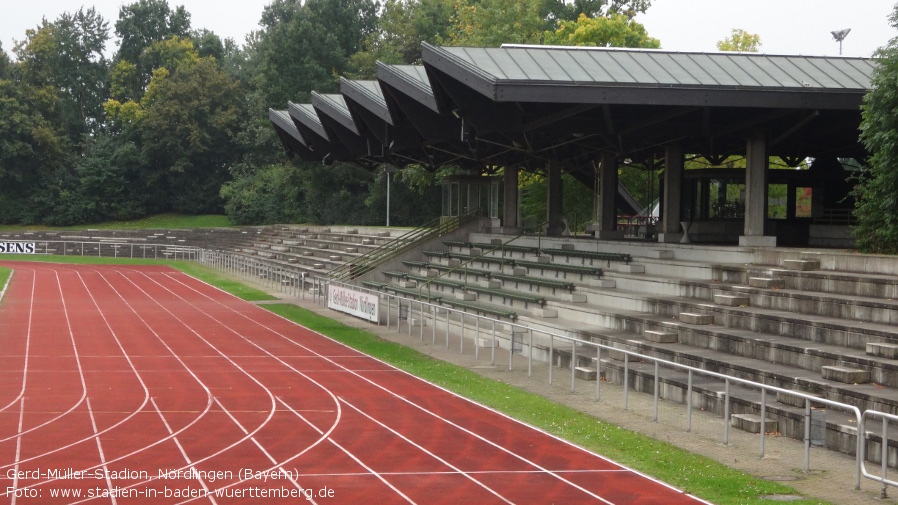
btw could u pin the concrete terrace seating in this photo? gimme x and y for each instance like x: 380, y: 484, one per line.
x: 534, y: 283
x: 315, y: 249
x: 559, y: 270
x: 567, y: 251
x: 466, y: 305
x: 818, y: 322
x: 489, y: 293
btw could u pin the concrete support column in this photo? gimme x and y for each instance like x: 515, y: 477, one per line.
x: 756, y: 164
x: 670, y: 230
x: 510, y: 207
x: 554, y: 206
x: 606, y: 192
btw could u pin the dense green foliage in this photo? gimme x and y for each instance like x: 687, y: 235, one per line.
x: 175, y: 120
x: 876, y: 192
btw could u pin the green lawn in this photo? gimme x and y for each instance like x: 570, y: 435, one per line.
x: 167, y: 221
x: 4, y: 276
x: 696, y: 474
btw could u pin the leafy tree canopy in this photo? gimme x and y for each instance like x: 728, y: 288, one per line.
x: 615, y: 30
x: 741, y: 41
x: 876, y: 192
x: 146, y: 21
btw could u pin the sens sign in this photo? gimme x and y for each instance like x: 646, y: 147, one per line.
x: 17, y: 247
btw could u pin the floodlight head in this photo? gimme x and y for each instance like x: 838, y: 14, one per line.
x: 841, y: 34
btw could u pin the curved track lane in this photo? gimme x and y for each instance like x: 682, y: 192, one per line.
x: 143, y: 385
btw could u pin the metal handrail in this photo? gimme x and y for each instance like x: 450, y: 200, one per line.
x: 882, y: 478
x: 385, y: 252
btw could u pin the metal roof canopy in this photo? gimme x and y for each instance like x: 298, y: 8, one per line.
x: 342, y: 129
x: 569, y: 103
x: 399, y: 141
x: 290, y: 137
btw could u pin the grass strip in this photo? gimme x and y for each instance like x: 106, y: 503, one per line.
x: 167, y: 221
x: 693, y: 473
x: 4, y: 277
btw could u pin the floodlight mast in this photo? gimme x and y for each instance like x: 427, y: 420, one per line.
x: 840, y: 36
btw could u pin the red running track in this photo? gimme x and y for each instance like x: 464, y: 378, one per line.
x: 144, y: 385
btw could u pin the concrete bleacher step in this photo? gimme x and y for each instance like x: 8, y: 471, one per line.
x: 731, y: 300
x: 797, y: 401
x: 544, y: 312
x: 661, y: 337
x: 882, y: 350
x: 766, y: 282
x: 802, y: 265
x: 752, y: 423
x: 846, y: 374
x: 662, y: 254
x: 585, y: 373
x: 696, y: 318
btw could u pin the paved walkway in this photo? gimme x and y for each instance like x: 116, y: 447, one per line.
x: 831, y: 477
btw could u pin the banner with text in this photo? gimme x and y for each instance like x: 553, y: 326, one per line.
x: 17, y: 248
x: 356, y: 303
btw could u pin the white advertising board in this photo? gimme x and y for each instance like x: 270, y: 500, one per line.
x: 17, y: 248
x: 356, y: 303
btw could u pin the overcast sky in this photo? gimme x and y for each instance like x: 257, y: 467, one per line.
x: 785, y: 26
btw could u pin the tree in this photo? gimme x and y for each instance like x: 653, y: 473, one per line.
x: 31, y: 150
x: 616, y: 30
x: 146, y: 21
x: 740, y: 41
x: 492, y: 23
x: 140, y: 25
x: 876, y: 207
x: 5, y: 64
x: 67, y: 55
x: 402, y: 26
x: 187, y: 131
x: 561, y: 10
x: 305, y: 47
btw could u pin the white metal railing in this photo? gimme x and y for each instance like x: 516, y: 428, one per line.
x: 114, y: 249
x: 883, y: 476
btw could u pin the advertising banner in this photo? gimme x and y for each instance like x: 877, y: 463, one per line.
x: 17, y: 248
x: 356, y: 303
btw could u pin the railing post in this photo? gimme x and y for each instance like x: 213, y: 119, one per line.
x: 530, y: 355
x: 807, y: 436
x: 493, y: 346
x: 461, y: 339
x: 655, y: 393
x: 551, y: 357
x: 689, y: 402
x: 763, y: 420
x: 626, y: 380
x: 726, y: 412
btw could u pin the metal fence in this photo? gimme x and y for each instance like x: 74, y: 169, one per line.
x: 116, y: 249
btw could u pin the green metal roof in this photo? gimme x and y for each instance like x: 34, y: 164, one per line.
x: 612, y: 75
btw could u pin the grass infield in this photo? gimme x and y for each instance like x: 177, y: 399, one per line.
x: 693, y: 473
